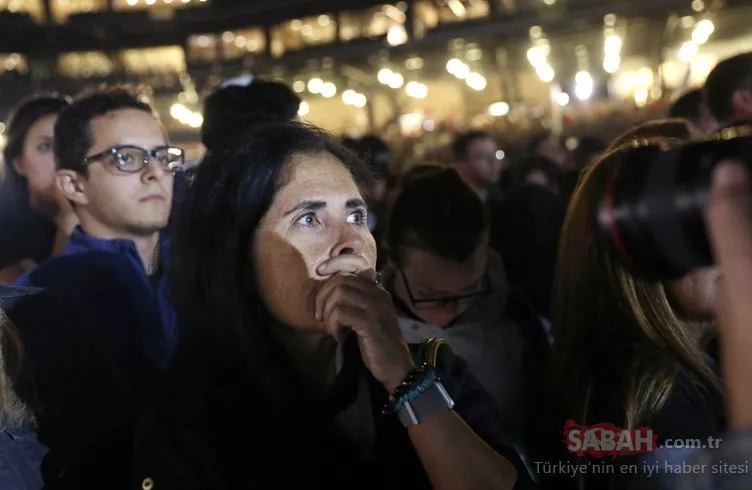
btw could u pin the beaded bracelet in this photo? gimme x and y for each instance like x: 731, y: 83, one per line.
x: 414, y: 379
x: 428, y: 381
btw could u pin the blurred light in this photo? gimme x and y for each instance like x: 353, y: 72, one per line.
x: 349, y: 96
x: 687, y: 51
x: 329, y: 90
x: 702, y: 31
x: 612, y: 44
x: 414, y: 63
x: 641, y: 97
x: 536, y: 56
x: 698, y: 5
x: 536, y: 32
x: 304, y: 109
x: 323, y: 20
x: 562, y: 98
x: 453, y: 64
x: 299, y: 86
x: 584, y: 85
x: 396, y: 35
x: 476, y: 81
x: 196, y: 120
x: 429, y: 125
x: 545, y: 72
x: 384, y: 75
x: 498, y: 109
x: 150, y: 2
x: 241, y: 41
x: 500, y: 155
x: 396, y: 81
x: 687, y: 21
x: 2, y: 141
x: 360, y: 100
x: 315, y: 85
x: 132, y: 2
x: 611, y: 63
x: 549, y: 2
x: 295, y: 25
x: 416, y: 90
x: 178, y: 111
x: 2, y: 127
x: 571, y: 144
x: 610, y: 20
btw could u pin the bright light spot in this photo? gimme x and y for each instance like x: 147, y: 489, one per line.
x: 416, y: 90
x: 612, y: 44
x: 641, y: 97
x: 536, y: 32
x: 304, y: 109
x: 299, y: 86
x: 429, y: 125
x: 549, y: 2
x: 698, y: 5
x: 610, y: 20
x: 476, y: 81
x: 349, y: 96
x: 536, y: 56
x: 323, y: 20
x: 384, y: 75
x: 687, y: 21
x: 571, y: 143
x: 315, y: 85
x: 150, y: 2
x: 396, y: 81
x: 545, y: 72
x: 500, y: 155
x: 396, y: 35
x: 196, y: 120
x: 702, y: 31
x: 453, y: 64
x: 132, y: 2
x: 562, y: 99
x: 2, y: 127
x: 329, y: 90
x: 584, y: 85
x: 687, y: 51
x: 611, y: 63
x: 498, y: 109
x: 360, y: 100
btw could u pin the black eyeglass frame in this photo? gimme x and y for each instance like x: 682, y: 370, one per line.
x: 439, y: 302
x: 148, y: 155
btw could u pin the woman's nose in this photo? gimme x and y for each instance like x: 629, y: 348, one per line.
x: 350, y: 243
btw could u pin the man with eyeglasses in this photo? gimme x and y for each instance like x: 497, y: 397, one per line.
x: 447, y: 283
x: 116, y: 167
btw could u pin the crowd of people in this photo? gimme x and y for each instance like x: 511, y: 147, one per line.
x: 289, y: 312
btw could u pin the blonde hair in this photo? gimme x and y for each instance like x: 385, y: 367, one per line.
x: 13, y: 412
x: 619, y: 344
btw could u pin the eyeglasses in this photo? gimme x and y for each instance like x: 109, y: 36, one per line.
x: 436, y: 303
x: 132, y: 159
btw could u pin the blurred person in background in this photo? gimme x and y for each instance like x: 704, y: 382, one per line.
x: 539, y: 171
x: 692, y: 106
x: 545, y: 144
x: 476, y: 159
x: 35, y: 218
x: 728, y: 89
x: 447, y: 283
x: 629, y: 351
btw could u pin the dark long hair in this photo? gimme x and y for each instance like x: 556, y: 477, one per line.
x: 24, y: 116
x: 213, y: 274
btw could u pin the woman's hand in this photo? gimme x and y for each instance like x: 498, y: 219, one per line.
x: 351, y: 299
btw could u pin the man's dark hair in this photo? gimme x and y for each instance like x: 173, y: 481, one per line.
x: 438, y: 213
x: 73, y: 138
x: 462, y: 142
x: 688, y: 105
x: 727, y: 77
x: 233, y: 110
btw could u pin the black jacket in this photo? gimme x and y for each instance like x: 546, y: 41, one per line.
x: 224, y: 439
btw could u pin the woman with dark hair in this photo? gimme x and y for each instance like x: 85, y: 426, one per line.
x: 291, y: 370
x: 35, y: 220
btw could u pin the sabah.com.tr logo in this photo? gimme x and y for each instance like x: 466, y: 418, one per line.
x: 604, y: 440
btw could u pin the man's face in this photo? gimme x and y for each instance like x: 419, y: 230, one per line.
x: 482, y: 164
x: 438, y: 290
x: 115, y: 202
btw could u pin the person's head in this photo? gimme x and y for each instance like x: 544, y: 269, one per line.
x: 28, y: 158
x: 232, y: 110
x: 620, y: 339
x: 115, y: 164
x: 668, y: 130
x: 546, y: 144
x: 437, y: 243
x: 476, y: 160
x: 260, y: 218
x: 692, y: 107
x: 588, y: 150
x: 375, y: 152
x: 539, y: 171
x: 728, y: 89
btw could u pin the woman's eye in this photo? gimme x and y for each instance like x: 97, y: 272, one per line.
x: 44, y: 147
x: 308, y: 219
x: 359, y: 217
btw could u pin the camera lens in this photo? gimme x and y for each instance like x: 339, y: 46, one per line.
x: 653, y: 205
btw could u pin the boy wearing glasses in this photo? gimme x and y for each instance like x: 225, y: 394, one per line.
x: 116, y: 167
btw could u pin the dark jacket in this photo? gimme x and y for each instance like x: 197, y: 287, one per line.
x: 90, y: 267
x: 84, y: 380
x: 226, y: 439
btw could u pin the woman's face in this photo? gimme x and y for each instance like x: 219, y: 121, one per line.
x: 318, y: 214
x: 37, y: 165
x: 695, y: 294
